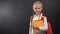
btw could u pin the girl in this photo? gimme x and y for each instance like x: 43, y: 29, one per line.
x: 38, y: 22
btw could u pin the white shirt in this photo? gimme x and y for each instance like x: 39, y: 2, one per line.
x: 44, y: 28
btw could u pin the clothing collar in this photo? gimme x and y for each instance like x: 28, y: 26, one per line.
x: 39, y: 15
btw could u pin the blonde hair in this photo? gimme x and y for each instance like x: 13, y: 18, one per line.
x: 37, y: 2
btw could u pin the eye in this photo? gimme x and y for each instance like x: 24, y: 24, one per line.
x: 35, y: 8
x: 38, y: 8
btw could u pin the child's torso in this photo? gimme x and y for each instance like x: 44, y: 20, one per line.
x: 38, y: 21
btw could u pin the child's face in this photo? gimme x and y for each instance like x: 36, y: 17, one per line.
x: 37, y: 7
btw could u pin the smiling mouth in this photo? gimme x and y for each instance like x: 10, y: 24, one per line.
x: 37, y: 11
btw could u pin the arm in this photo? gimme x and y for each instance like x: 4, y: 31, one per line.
x: 31, y: 29
x: 45, y: 27
x: 30, y: 23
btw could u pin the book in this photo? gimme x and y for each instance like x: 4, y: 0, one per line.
x: 38, y: 23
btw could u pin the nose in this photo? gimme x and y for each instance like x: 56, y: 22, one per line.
x: 36, y: 9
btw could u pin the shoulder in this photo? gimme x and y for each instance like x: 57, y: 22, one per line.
x: 31, y: 16
x: 44, y: 16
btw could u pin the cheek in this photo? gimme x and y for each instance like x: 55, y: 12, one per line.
x: 41, y: 9
x: 34, y: 10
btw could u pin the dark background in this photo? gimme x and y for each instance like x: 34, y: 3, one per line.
x: 14, y: 15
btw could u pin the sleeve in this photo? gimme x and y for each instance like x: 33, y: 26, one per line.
x: 30, y: 29
x: 45, y: 27
x: 30, y: 24
x: 30, y: 21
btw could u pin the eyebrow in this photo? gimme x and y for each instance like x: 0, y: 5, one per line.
x: 37, y: 3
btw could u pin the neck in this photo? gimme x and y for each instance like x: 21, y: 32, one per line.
x: 38, y: 14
